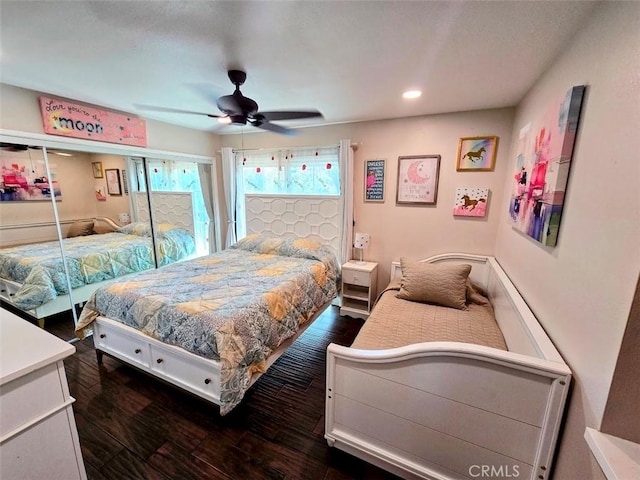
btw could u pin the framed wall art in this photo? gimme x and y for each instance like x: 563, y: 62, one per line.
x: 542, y: 167
x: 477, y: 154
x: 418, y: 179
x: 114, y: 186
x: 25, y: 179
x: 374, y: 180
x: 97, y: 170
x: 471, y: 202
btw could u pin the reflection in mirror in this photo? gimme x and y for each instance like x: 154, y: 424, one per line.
x: 176, y: 206
x: 104, y: 224
x: 33, y: 281
x: 101, y: 244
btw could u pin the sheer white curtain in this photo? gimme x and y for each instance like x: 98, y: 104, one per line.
x: 346, y: 179
x: 204, y: 174
x: 229, y: 184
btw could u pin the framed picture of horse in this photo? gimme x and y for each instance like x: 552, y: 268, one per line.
x: 471, y: 202
x: 476, y: 154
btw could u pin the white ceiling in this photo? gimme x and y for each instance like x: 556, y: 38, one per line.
x: 349, y: 59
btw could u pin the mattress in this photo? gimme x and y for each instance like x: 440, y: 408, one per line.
x: 395, y: 322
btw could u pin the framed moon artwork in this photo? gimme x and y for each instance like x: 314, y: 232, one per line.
x: 418, y: 179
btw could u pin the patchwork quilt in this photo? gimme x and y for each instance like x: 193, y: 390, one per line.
x: 90, y: 259
x: 235, y: 306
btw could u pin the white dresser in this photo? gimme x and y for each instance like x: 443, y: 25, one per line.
x: 38, y: 435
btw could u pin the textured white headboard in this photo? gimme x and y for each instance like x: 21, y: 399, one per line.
x: 314, y: 217
x: 175, y: 208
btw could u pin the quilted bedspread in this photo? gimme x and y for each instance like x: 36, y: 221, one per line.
x: 90, y: 259
x: 236, y: 306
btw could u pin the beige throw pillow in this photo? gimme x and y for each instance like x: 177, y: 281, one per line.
x: 80, y: 228
x: 441, y: 284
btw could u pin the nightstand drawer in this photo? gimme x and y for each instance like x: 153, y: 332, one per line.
x: 355, y: 277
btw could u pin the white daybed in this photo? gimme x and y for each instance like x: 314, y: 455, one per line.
x: 448, y: 410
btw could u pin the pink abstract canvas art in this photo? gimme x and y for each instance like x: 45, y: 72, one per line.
x: 545, y: 148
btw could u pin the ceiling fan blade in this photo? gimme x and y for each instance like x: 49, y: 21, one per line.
x: 273, y: 127
x: 14, y: 147
x: 152, y: 108
x: 285, y: 115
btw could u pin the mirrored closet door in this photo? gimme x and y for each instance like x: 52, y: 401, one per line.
x: 106, y: 223
x: 33, y: 274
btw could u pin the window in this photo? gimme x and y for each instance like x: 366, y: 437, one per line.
x: 295, y: 171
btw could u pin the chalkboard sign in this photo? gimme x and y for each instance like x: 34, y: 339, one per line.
x: 374, y: 180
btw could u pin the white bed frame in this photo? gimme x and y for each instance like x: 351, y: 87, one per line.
x: 448, y: 410
x: 195, y: 374
x: 175, y: 208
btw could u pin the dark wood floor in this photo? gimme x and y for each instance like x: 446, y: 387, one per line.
x: 132, y: 426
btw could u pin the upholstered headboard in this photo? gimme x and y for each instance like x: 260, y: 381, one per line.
x: 314, y: 217
x: 175, y: 208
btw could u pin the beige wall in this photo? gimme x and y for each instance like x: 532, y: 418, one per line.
x: 75, y: 179
x: 114, y: 204
x: 413, y: 231
x: 582, y: 289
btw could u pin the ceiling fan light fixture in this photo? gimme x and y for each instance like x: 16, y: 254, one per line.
x: 238, y: 119
x: 224, y: 120
x: 412, y: 94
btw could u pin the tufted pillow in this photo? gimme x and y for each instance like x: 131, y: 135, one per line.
x: 441, y: 284
x: 80, y: 228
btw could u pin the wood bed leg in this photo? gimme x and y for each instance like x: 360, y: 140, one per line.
x: 41, y: 323
x: 99, y: 355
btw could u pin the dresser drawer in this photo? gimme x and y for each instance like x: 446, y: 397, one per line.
x: 132, y: 347
x: 46, y: 450
x: 32, y: 396
x: 356, y: 277
x: 198, y: 375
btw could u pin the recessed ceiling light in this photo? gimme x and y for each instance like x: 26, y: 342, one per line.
x: 412, y: 94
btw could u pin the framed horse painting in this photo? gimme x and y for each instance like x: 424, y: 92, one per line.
x: 477, y: 154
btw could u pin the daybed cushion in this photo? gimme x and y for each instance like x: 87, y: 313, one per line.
x: 395, y: 323
x: 440, y: 284
x: 80, y: 228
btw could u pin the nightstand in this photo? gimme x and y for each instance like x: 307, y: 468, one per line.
x: 359, y: 282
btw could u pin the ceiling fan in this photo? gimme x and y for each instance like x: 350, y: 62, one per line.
x: 240, y: 110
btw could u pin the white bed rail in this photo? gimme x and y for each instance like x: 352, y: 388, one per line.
x: 448, y: 410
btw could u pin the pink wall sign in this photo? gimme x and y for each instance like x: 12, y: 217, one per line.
x: 78, y: 121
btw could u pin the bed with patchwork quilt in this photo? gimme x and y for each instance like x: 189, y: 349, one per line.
x: 33, y: 276
x: 212, y: 325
